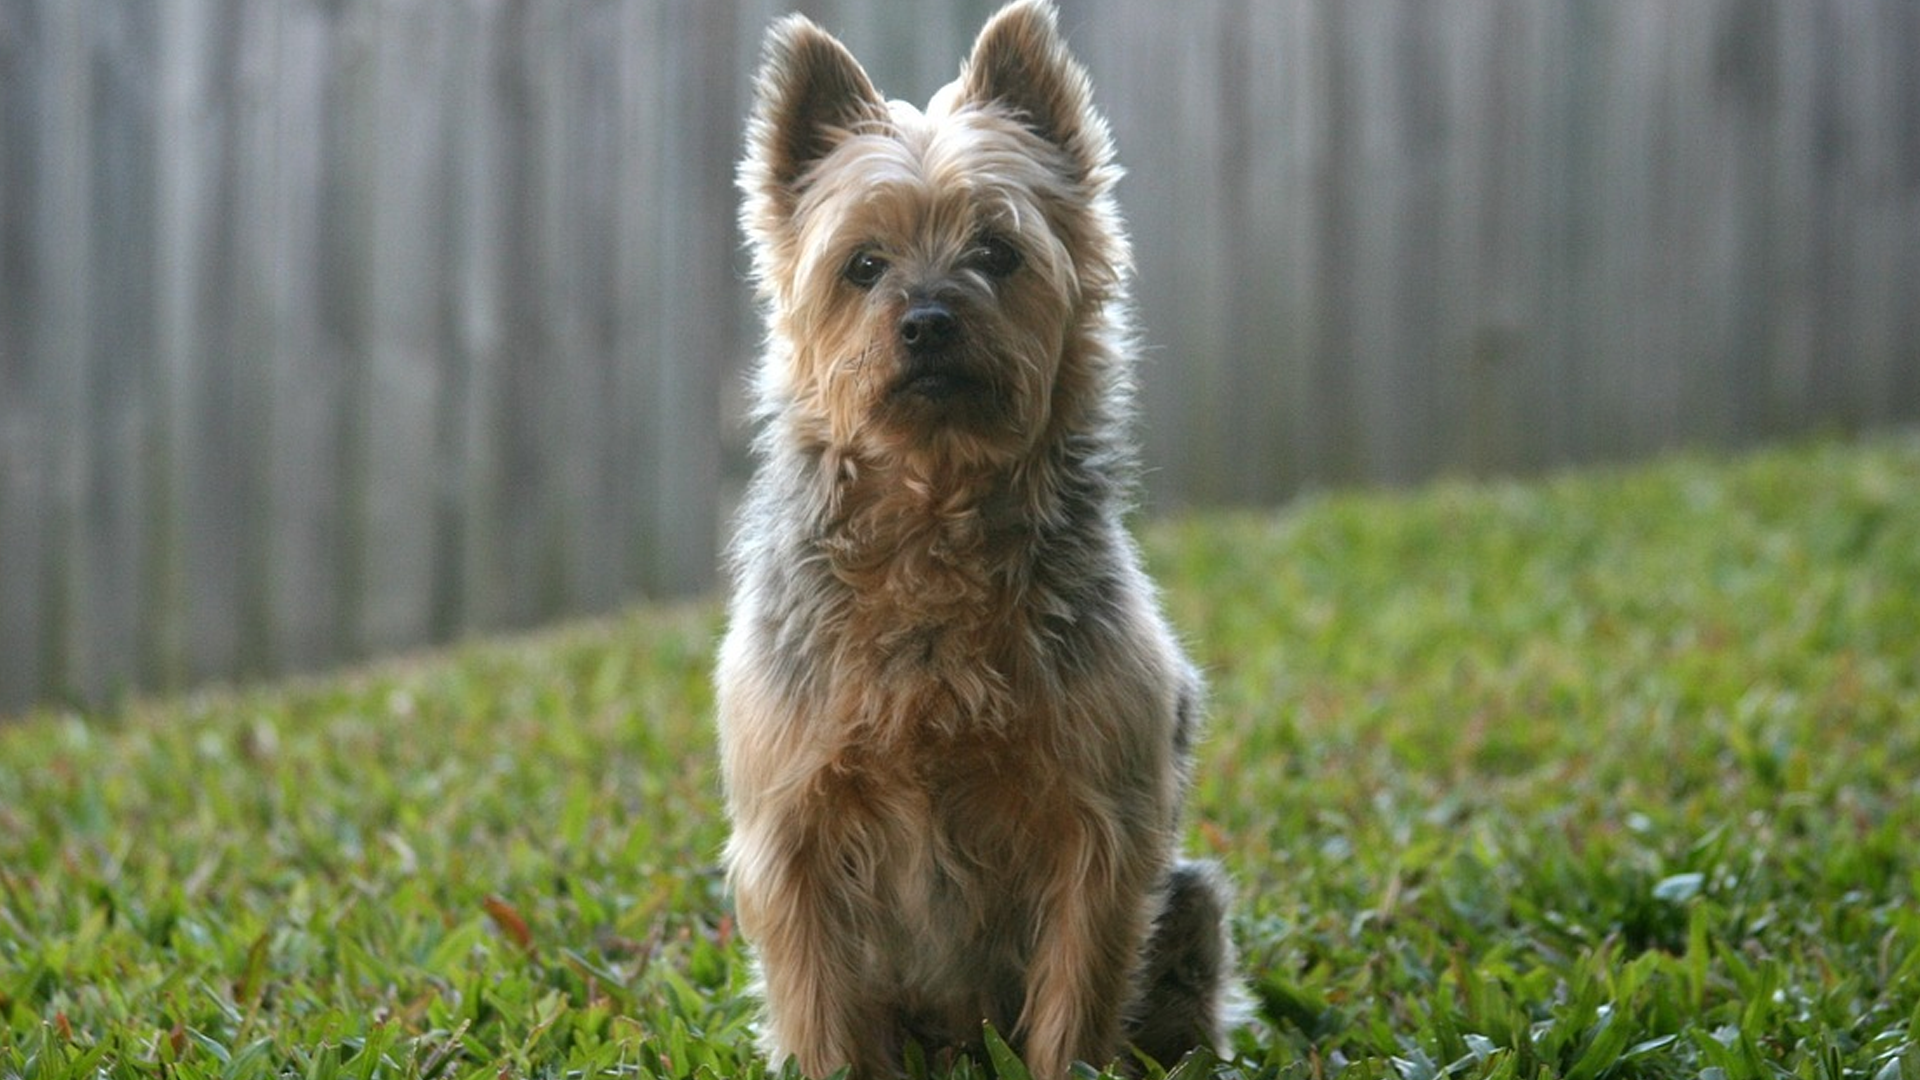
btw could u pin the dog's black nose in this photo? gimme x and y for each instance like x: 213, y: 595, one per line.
x: 928, y: 325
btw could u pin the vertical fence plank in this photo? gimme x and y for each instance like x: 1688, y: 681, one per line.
x: 1261, y: 350
x: 587, y: 211
x: 1899, y: 110
x: 22, y: 410
x: 470, y: 585
x: 404, y: 141
x: 1491, y: 414
x: 640, y: 276
x: 702, y: 320
x: 552, y: 245
x: 1136, y: 118
x: 216, y: 460
x: 180, y: 184
x: 115, y: 383
x: 517, y: 408
x: 1888, y: 287
x: 1193, y: 253
x: 294, y: 47
x: 255, y: 330
x: 1337, y: 430
x: 63, y: 336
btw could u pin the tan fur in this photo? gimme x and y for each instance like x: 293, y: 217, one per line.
x: 954, y: 725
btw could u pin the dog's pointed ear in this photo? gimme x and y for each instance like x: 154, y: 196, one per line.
x: 1021, y: 62
x: 810, y: 94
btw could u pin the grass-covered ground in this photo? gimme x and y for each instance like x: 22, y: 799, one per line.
x: 1612, y: 775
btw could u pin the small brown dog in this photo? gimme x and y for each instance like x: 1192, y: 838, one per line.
x: 955, y: 727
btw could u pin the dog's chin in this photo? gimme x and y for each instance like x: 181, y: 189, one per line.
x: 938, y: 386
x: 928, y: 405
x: 941, y: 384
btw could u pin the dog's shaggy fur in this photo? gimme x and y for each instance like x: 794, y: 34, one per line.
x: 955, y: 728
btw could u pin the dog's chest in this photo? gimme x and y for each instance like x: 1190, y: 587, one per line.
x: 937, y: 638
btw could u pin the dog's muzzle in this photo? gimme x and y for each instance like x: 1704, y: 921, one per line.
x: 934, y: 369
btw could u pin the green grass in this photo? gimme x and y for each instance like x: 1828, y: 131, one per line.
x: 1609, y: 775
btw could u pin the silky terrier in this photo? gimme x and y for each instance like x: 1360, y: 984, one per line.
x: 955, y: 727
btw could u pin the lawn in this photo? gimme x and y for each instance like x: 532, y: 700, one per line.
x: 1613, y: 774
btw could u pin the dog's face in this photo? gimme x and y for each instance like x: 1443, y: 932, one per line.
x: 930, y: 275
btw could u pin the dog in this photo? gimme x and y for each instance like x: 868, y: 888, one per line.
x: 955, y: 727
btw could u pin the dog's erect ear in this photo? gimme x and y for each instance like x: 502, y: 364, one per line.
x: 810, y: 94
x: 1021, y: 63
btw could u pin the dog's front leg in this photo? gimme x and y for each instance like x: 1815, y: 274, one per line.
x: 821, y: 1005
x: 1091, y: 924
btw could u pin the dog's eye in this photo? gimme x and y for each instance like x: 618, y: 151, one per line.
x: 864, y: 269
x: 996, y: 257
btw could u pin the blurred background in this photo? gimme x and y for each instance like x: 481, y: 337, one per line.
x: 334, y: 327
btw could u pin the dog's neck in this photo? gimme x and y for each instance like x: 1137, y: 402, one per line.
x: 919, y: 517
x: 936, y: 575
x: 954, y: 581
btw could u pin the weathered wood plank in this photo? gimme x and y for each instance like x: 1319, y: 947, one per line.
x: 23, y: 410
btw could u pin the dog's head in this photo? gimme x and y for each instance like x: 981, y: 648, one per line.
x: 933, y: 279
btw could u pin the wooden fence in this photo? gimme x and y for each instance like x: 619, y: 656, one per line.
x: 335, y: 326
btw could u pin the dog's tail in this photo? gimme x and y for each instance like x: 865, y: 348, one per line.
x: 1190, y: 991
